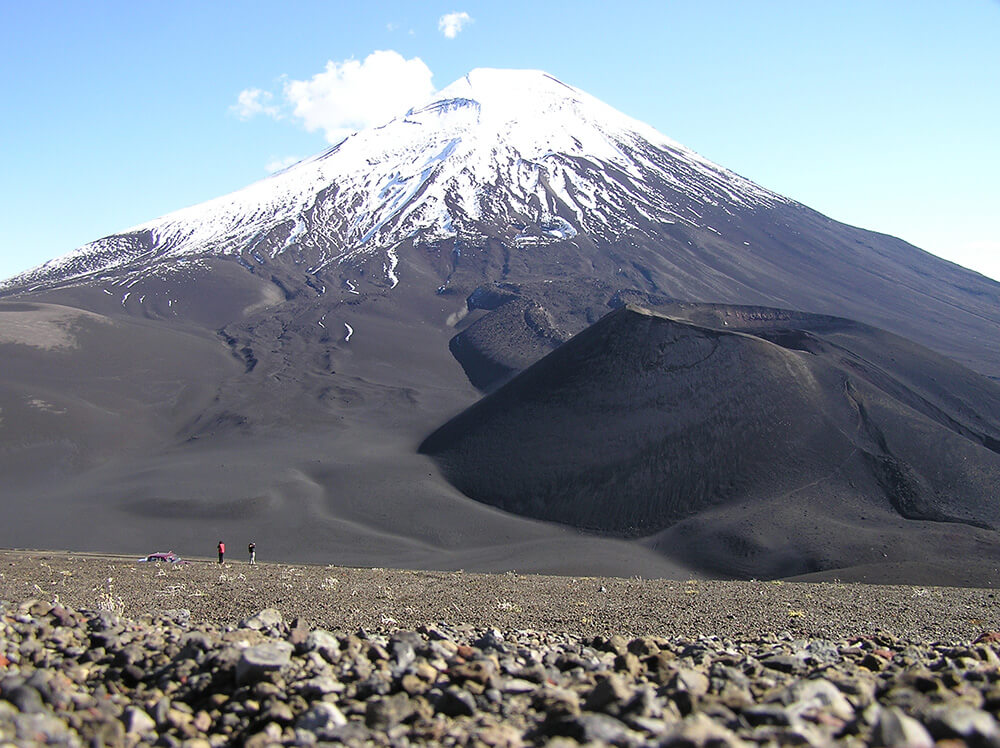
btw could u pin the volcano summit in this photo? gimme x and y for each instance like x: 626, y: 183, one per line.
x: 267, y: 364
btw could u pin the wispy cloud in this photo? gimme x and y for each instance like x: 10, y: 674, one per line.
x: 348, y: 95
x: 450, y: 24
x: 254, y: 101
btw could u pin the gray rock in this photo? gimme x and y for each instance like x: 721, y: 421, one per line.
x: 41, y: 681
x: 643, y: 647
x: 645, y: 703
x: 137, y: 721
x: 318, y: 686
x: 492, y: 639
x: 279, y: 712
x: 436, y: 634
x: 264, y: 658
x: 161, y: 709
x: 817, y: 694
x: 628, y: 663
x: 964, y: 722
x: 518, y: 685
x: 591, y: 728
x: 227, y: 657
x: 700, y: 730
x: 298, y: 632
x: 651, y: 725
x: 793, y: 735
x: 387, y: 711
x: 455, y: 702
x: 267, y: 619
x: 893, y: 728
x: 768, y: 714
x: 181, y: 616
x: 556, y: 701
x: 691, y: 681
x: 27, y: 699
x: 104, y: 620
x: 353, y: 733
x: 785, y: 663
x: 321, y: 717
x: 412, y: 638
x: 609, y: 693
x: 377, y: 652
x: 822, y: 652
x: 43, y: 729
x: 269, y: 736
x: 403, y: 655
x: 323, y: 642
x: 194, y: 643
x: 618, y: 644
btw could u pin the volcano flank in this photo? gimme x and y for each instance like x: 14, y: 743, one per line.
x: 510, y: 328
x: 758, y: 418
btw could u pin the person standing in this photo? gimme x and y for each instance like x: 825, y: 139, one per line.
x: 252, y: 549
x: 222, y: 551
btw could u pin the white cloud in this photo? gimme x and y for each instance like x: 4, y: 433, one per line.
x: 350, y: 95
x: 451, y: 23
x: 253, y: 101
x: 281, y: 163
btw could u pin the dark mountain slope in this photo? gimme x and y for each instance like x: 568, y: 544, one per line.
x: 80, y: 389
x: 643, y: 421
x: 793, y: 258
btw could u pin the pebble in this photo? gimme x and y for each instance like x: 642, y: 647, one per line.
x: 256, y: 661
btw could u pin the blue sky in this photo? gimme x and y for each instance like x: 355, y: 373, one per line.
x: 884, y: 114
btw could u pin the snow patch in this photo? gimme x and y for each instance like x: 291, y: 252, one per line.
x: 390, y: 267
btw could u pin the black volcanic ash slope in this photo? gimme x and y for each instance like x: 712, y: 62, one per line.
x: 644, y: 420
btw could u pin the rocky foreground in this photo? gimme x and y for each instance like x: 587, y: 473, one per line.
x: 117, y: 660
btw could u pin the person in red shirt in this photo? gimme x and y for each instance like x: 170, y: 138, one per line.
x: 222, y: 551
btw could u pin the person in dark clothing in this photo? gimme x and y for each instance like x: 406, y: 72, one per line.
x: 222, y: 551
x: 252, y: 550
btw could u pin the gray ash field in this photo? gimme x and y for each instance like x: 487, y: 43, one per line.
x: 386, y: 599
x: 105, y: 651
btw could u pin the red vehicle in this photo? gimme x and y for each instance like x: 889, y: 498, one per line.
x: 168, y: 557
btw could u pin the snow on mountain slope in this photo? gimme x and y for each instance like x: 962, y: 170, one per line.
x: 516, y: 155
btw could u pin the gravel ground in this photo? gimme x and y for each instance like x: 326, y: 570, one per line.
x: 107, y: 651
x: 382, y: 600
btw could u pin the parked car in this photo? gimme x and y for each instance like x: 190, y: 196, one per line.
x: 168, y: 557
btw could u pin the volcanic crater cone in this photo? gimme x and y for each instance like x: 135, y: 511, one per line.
x: 800, y: 422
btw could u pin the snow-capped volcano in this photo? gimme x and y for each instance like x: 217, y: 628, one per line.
x: 269, y: 361
x: 514, y: 155
x: 515, y: 178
